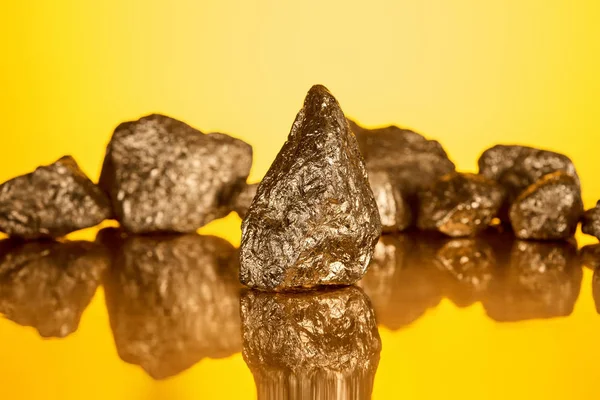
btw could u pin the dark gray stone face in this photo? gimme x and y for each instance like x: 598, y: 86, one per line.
x: 415, y: 162
x: 314, y: 220
x: 532, y: 165
x: 47, y: 285
x: 459, y: 204
x: 590, y: 222
x: 173, y: 300
x: 518, y: 167
x: 163, y: 175
x: 549, y: 209
x: 52, y: 201
x: 495, y: 161
x: 322, y: 344
x: 401, y: 282
x: 244, y: 199
x: 526, y: 164
x: 541, y: 280
x: 394, y: 209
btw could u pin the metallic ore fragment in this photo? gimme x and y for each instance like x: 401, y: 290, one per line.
x: 401, y: 284
x: 590, y: 222
x: 394, y: 210
x: 526, y: 164
x: 495, y: 161
x: 314, y: 220
x: 459, y: 204
x: 317, y: 345
x: 542, y: 280
x: 173, y: 300
x: 549, y: 209
x: 518, y: 167
x: 163, y: 175
x: 469, y: 265
x: 415, y: 161
x: 244, y: 199
x: 48, y: 284
x: 52, y: 201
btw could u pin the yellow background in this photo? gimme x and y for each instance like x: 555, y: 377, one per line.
x: 470, y: 73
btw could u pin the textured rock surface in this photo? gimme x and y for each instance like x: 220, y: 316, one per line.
x: 173, y: 300
x: 459, y: 204
x: 469, y: 266
x: 47, y: 285
x: 321, y: 345
x: 590, y: 222
x: 495, y: 161
x: 548, y: 209
x: 532, y: 165
x: 244, y: 199
x: 163, y: 175
x: 400, y: 163
x: 401, y: 283
x: 525, y: 164
x: 394, y: 209
x: 52, y: 201
x: 518, y: 167
x: 542, y: 280
x: 314, y: 220
x: 413, y: 160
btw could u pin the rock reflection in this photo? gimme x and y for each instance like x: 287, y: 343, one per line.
x: 596, y: 289
x: 468, y: 265
x: 401, y: 285
x: 322, y: 345
x: 590, y: 256
x: 542, y: 280
x: 48, y: 284
x: 515, y: 280
x: 173, y: 300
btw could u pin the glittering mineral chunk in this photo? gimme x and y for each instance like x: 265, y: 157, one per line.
x: 52, y: 201
x: 542, y: 280
x: 469, y: 265
x: 314, y: 220
x: 163, y: 175
x: 532, y: 165
x: 518, y: 167
x: 459, y: 204
x: 244, y: 199
x: 47, y: 285
x: 495, y: 161
x: 525, y: 163
x: 317, y: 345
x: 400, y: 283
x: 590, y: 222
x: 394, y: 210
x: 415, y: 162
x: 173, y: 300
x: 549, y: 209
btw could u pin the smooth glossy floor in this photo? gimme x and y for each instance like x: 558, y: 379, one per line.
x: 467, y: 319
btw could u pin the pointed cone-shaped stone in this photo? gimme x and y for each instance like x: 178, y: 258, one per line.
x: 314, y: 220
